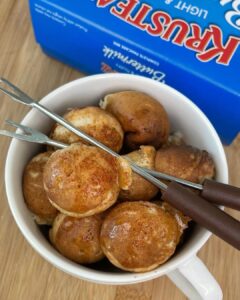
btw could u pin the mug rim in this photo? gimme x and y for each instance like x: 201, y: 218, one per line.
x: 81, y: 271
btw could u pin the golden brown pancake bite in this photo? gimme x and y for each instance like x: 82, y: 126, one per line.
x: 72, y: 187
x: 77, y: 238
x: 33, y: 191
x: 138, y: 236
x: 94, y: 121
x: 82, y: 180
x: 143, y: 119
x: 185, y: 162
x: 140, y: 189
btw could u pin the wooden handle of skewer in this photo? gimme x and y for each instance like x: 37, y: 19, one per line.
x: 206, y: 214
x: 221, y: 194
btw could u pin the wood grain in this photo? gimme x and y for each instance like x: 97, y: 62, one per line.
x: 24, y: 274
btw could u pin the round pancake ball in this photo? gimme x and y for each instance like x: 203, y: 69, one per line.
x: 94, y: 121
x: 33, y: 190
x: 143, y: 119
x: 140, y: 189
x: 77, y: 238
x: 185, y: 162
x: 82, y: 180
x: 138, y: 236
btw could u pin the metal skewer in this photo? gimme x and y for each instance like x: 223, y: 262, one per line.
x: 35, y: 136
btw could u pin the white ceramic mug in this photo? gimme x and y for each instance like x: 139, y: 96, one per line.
x: 184, y: 268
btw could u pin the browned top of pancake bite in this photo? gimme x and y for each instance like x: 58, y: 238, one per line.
x: 78, y: 238
x: 143, y: 119
x: 34, y: 194
x: 138, y: 236
x: 185, y: 162
x: 82, y: 180
x: 94, y: 121
x: 140, y: 188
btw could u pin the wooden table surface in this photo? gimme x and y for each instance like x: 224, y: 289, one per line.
x: 24, y: 274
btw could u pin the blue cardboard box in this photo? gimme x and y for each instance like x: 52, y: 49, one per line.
x: 191, y: 45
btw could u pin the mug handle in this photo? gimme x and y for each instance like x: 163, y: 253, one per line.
x: 195, y: 281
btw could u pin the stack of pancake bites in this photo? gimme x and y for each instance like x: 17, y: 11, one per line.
x: 95, y: 206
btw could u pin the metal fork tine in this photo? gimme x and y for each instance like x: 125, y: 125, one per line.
x: 31, y: 135
x: 17, y: 94
x: 18, y: 136
x: 22, y: 127
x: 14, y: 88
x: 14, y: 96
